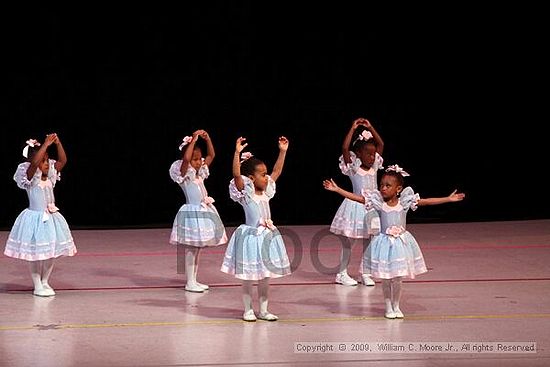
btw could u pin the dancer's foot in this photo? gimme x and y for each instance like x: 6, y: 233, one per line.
x: 249, y: 316
x: 267, y: 316
x: 398, y: 313
x: 203, y: 286
x: 194, y: 287
x: 344, y: 279
x: 390, y: 313
x: 41, y: 292
x: 367, y: 280
x: 48, y: 288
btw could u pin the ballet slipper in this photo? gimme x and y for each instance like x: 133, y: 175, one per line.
x: 249, y: 316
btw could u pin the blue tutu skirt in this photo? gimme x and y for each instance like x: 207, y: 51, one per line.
x: 256, y: 253
x: 388, y: 257
x: 37, y: 235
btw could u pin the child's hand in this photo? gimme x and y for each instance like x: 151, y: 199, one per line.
x: 204, y: 135
x: 356, y: 123
x: 196, y: 135
x: 50, y: 139
x: 330, y: 185
x: 240, y: 146
x: 283, y: 143
x: 365, y: 123
x: 456, y: 196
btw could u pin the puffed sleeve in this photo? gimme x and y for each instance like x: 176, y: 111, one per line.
x: 408, y: 199
x: 351, y: 168
x: 175, y: 172
x: 373, y: 199
x: 378, y: 162
x: 271, y: 187
x: 20, y: 176
x: 204, y: 171
x: 241, y: 196
x: 53, y: 174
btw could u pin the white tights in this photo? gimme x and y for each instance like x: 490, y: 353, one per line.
x: 263, y: 296
x: 392, y: 295
x: 40, y: 274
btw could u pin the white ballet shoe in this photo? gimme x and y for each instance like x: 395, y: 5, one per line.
x: 194, y: 287
x: 390, y: 313
x: 41, y: 292
x: 203, y: 286
x: 398, y: 313
x: 367, y: 280
x: 267, y: 316
x: 344, y: 279
x: 249, y: 316
x: 49, y: 289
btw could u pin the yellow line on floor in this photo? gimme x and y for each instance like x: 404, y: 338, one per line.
x: 236, y: 321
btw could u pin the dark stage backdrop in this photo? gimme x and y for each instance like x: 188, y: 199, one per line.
x: 454, y: 104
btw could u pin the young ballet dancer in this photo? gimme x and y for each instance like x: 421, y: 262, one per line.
x: 40, y: 233
x: 394, y: 253
x: 197, y: 224
x: 353, y: 220
x: 256, y: 251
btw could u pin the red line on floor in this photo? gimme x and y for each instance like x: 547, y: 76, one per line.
x: 227, y: 285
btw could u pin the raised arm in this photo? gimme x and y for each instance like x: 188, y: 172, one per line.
x: 188, y: 154
x: 453, y: 197
x: 61, y: 155
x: 39, y: 155
x: 330, y: 185
x: 210, y: 153
x: 375, y: 135
x: 239, y: 146
x: 347, y: 140
x: 278, y: 167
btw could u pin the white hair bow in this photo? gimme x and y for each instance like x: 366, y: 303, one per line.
x: 30, y: 143
x: 245, y: 156
x: 365, y: 135
x: 186, y: 141
x: 396, y: 168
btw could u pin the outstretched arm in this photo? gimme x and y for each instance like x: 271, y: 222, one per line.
x: 453, y: 197
x: 39, y: 155
x: 347, y: 140
x: 61, y: 155
x: 189, y: 153
x: 375, y: 135
x: 239, y: 146
x: 210, y: 154
x: 278, y: 167
x: 330, y: 185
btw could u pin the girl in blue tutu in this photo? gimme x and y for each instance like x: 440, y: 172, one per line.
x: 394, y: 253
x: 40, y: 233
x: 353, y: 220
x: 256, y: 251
x: 197, y: 224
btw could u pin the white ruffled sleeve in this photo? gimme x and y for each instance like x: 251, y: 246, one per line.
x: 271, y: 187
x: 408, y: 199
x: 351, y: 168
x: 373, y: 199
x: 378, y: 162
x: 243, y: 195
x: 175, y: 172
x: 53, y: 174
x: 204, y: 171
x: 20, y: 176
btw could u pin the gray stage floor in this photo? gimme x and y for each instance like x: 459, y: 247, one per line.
x: 120, y: 302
